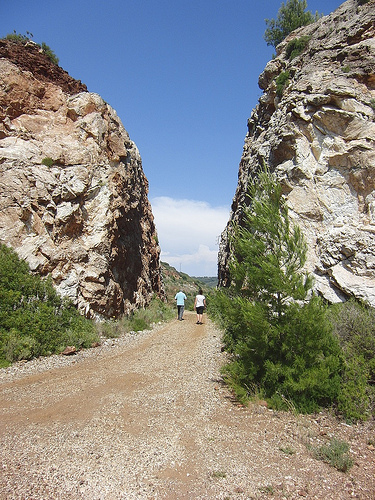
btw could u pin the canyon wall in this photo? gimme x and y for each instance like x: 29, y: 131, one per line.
x: 316, y: 131
x: 73, y: 194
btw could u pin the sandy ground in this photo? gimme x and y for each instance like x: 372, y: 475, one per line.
x: 147, y: 417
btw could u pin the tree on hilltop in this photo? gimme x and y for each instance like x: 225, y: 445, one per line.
x: 290, y: 16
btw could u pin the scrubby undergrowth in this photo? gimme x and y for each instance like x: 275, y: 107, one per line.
x: 36, y: 321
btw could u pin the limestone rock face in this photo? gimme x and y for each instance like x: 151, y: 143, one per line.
x: 317, y: 133
x: 73, y: 195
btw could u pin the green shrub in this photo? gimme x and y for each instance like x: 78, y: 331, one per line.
x: 281, y: 82
x: 287, y: 450
x: 268, y: 490
x: 18, y: 38
x: 81, y: 338
x: 372, y: 103
x: 295, y: 358
x: 142, y: 319
x: 218, y: 474
x: 110, y: 329
x: 4, y: 363
x: 336, y: 454
x: 316, y: 356
x: 139, y: 324
x: 18, y: 347
x: 48, y: 162
x: 297, y: 46
x: 354, y: 401
x: 34, y: 320
x: 311, y: 358
x: 354, y: 325
x: 50, y: 53
x: 138, y: 320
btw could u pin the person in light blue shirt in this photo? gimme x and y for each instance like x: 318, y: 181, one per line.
x: 180, y: 299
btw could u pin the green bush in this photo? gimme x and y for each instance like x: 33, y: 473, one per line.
x: 141, y: 319
x: 109, y: 329
x: 50, y: 53
x: 18, y: 347
x: 336, y: 454
x: 34, y: 320
x: 297, y: 46
x: 138, y: 324
x: 294, y: 358
x: 48, y: 162
x: 315, y: 356
x: 354, y: 325
x: 18, y: 38
x: 309, y: 365
x: 281, y: 82
x: 76, y: 334
x: 155, y: 312
x: 354, y: 401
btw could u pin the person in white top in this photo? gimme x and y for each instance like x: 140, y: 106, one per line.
x: 199, y: 306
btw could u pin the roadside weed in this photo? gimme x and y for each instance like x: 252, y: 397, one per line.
x: 336, y: 454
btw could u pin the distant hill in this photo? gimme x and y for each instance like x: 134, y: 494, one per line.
x: 174, y: 281
x: 210, y: 281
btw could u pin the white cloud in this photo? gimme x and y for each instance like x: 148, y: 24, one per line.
x: 189, y: 233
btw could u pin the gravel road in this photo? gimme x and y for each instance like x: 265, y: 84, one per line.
x: 146, y: 416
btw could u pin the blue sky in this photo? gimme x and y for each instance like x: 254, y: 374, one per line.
x: 183, y: 78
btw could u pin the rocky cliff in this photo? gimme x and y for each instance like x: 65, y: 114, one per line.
x: 314, y: 127
x: 73, y: 195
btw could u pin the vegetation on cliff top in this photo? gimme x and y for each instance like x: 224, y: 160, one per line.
x: 24, y: 39
x: 290, y: 16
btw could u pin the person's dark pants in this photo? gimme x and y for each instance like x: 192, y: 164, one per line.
x: 180, y: 310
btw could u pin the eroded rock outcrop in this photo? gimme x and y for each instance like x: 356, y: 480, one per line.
x: 73, y: 195
x: 317, y: 132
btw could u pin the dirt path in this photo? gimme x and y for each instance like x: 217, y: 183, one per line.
x: 147, y: 418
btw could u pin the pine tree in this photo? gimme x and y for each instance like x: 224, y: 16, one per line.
x: 290, y: 16
x: 282, y: 343
x: 268, y: 253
